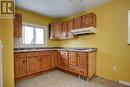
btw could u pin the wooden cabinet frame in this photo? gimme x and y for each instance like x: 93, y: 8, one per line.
x: 81, y: 63
x: 65, y: 27
x: 17, y: 25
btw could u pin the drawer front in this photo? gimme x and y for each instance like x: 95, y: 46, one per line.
x: 73, y: 69
x: 82, y: 71
x: 63, y: 62
x: 19, y: 55
x: 64, y: 67
x: 35, y: 53
x: 16, y: 55
x: 45, y: 53
x: 29, y: 54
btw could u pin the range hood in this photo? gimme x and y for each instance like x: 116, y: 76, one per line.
x: 84, y: 30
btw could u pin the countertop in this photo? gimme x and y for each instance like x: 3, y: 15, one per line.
x: 54, y: 48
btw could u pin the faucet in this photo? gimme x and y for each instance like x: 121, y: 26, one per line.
x: 32, y: 43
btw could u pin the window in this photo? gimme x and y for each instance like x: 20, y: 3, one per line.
x: 33, y: 36
x: 129, y: 27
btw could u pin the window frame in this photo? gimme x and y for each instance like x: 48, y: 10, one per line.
x: 128, y: 27
x: 35, y: 45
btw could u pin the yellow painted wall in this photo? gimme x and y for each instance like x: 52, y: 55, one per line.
x: 33, y: 18
x: 110, y: 40
x: 6, y: 35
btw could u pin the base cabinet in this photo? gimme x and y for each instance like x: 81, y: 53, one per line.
x: 82, y: 59
x: 64, y: 61
x: 54, y: 59
x: 45, y: 61
x: 33, y: 63
x: 20, y: 65
x: 72, y: 58
x: 80, y: 63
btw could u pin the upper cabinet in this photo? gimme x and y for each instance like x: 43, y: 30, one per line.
x: 18, y: 25
x: 55, y: 31
x: 77, y: 23
x: 76, y: 26
x: 60, y: 30
x: 64, y: 30
x: 88, y: 20
x: 69, y: 29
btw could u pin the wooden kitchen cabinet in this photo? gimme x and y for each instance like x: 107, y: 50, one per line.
x: 59, y: 31
x: 80, y: 63
x: 82, y: 59
x: 83, y: 63
x: 64, y: 30
x: 20, y: 65
x: 73, y: 58
x: 17, y: 25
x: 45, y: 61
x: 33, y: 63
x: 54, y: 59
x: 88, y: 20
x: 91, y: 64
x: 70, y: 27
x: 64, y: 63
x: 51, y: 31
x: 55, y: 31
x: 58, y: 54
x: 77, y: 22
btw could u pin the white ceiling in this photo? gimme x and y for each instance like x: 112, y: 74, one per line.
x: 59, y: 8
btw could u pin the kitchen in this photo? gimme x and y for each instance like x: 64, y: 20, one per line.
x: 70, y: 46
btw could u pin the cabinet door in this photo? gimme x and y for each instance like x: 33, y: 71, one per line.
x: 54, y: 59
x: 77, y: 23
x: 55, y: 31
x: 82, y: 59
x: 20, y: 67
x: 64, y: 30
x: 70, y: 27
x: 51, y: 31
x: 64, y: 62
x: 91, y: 64
x: 64, y: 55
x: 58, y: 54
x: 89, y: 20
x: 72, y: 58
x: 18, y: 25
x: 45, y: 62
x: 33, y: 65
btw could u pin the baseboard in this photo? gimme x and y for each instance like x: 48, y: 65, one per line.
x: 124, y: 82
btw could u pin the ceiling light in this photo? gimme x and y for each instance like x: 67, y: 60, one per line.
x: 79, y: 0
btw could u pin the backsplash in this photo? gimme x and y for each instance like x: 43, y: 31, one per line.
x: 16, y: 42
